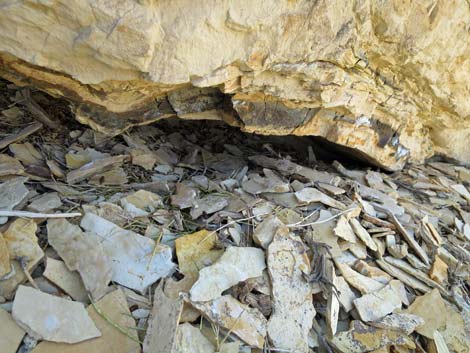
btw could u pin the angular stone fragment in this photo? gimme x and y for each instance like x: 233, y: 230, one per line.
x: 45, y: 203
x: 12, y: 280
x: 245, y: 322
x: 208, y: 205
x: 404, y: 322
x: 144, y: 200
x: 462, y: 191
x: 362, y: 283
x: 235, y: 265
x: 362, y: 338
x: 344, y: 231
x: 362, y: 234
x: 11, y: 334
x: 403, y: 276
x: 438, y: 271
x: 189, y: 339
x: 323, y: 232
x: 69, y: 281
x: 136, y: 261
x: 162, y: 328
x: 440, y: 316
x: 22, y: 242
x: 332, y: 305
x: 265, y: 231
x: 5, y: 266
x: 10, y: 166
x: 51, y: 318
x: 196, y: 251
x: 93, y: 168
x: 12, y: 193
x: 293, y: 310
x: 81, y: 253
x: 26, y: 153
x: 346, y: 296
x: 185, y: 196
x: 410, y: 240
x: 271, y: 182
x: 376, y: 305
x: 109, y: 312
x: 310, y: 195
x: 143, y: 158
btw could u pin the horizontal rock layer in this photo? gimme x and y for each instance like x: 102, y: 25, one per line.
x: 388, y: 79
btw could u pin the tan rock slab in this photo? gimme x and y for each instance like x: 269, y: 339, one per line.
x: 26, y: 153
x: 10, y: 166
x: 11, y: 334
x: 271, y: 182
x: 12, y: 193
x: 21, y: 134
x: 196, y: 251
x: 344, y: 231
x: 69, y: 281
x: 362, y: 338
x: 144, y: 200
x: 376, y: 305
x: 22, y: 242
x: 310, y: 195
x: 10, y: 282
x: 81, y: 253
x: 362, y: 283
x: 362, y: 234
x: 246, y: 323
x: 438, y: 271
x: 332, y: 305
x: 45, y: 203
x: 93, y: 168
x: 5, y: 266
x: 346, y: 296
x: 51, y: 318
x: 439, y: 316
x: 323, y: 232
x: 265, y: 231
x: 293, y: 310
x: 189, y: 339
x: 404, y: 322
x: 235, y: 265
x: 136, y: 261
x: 161, y: 336
x: 112, y: 306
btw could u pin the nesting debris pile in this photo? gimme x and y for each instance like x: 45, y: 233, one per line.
x: 172, y: 238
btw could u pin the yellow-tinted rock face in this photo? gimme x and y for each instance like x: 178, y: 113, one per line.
x: 388, y: 79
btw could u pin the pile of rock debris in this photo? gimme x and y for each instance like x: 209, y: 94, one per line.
x: 195, y: 237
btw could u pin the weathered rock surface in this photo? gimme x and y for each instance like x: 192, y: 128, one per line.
x: 386, y: 79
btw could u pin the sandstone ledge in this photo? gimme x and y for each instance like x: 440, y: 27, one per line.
x: 386, y: 79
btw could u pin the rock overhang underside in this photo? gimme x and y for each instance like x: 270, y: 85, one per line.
x: 388, y: 80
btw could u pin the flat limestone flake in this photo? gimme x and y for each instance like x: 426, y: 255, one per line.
x: 196, y: 251
x: 235, y: 265
x: 69, y: 281
x: 376, y: 305
x: 81, y: 253
x: 362, y: 338
x: 189, y: 339
x: 113, y: 307
x: 246, y: 323
x: 293, y: 310
x: 11, y: 334
x: 22, y: 242
x: 163, y: 323
x: 136, y: 261
x: 51, y: 318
